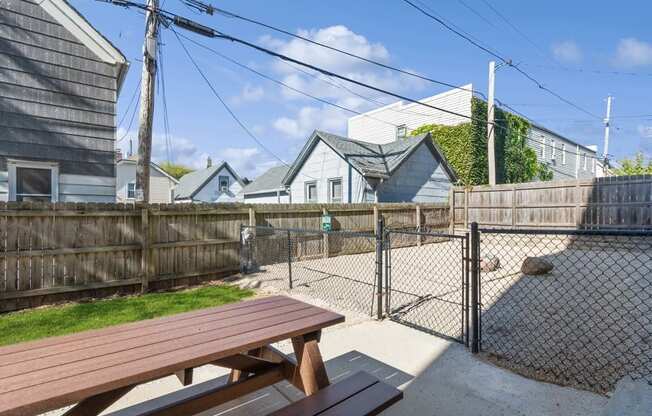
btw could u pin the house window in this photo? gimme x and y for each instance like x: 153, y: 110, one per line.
x: 131, y: 190
x: 369, y: 195
x: 224, y: 184
x: 553, y: 150
x: 584, y: 160
x: 33, y: 181
x: 335, y: 190
x: 543, y: 149
x: 401, y: 131
x: 593, y: 165
x: 563, y: 153
x: 311, y: 192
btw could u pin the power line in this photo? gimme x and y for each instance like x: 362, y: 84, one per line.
x: 224, y: 104
x: 166, y: 122
x: 506, y: 61
x: 589, y: 70
x: 478, y: 14
x: 131, y: 101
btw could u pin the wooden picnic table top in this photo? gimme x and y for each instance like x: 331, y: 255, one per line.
x: 56, y: 372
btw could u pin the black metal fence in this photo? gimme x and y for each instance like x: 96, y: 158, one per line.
x: 565, y: 306
x: 570, y: 307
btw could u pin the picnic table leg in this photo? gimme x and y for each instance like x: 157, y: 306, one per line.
x: 95, y: 405
x: 310, y: 365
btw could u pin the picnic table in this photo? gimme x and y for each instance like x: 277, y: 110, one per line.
x: 93, y: 369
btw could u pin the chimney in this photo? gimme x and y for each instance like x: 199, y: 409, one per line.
x: 209, y: 162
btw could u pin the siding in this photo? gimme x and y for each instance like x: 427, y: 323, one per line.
x: 371, y: 128
x: 160, y: 186
x: 4, y: 186
x: 211, y: 191
x: 324, y: 164
x: 57, y: 102
x: 266, y: 198
x: 570, y: 168
x: 421, y: 178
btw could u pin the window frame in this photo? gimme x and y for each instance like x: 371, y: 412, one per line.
x: 219, y: 183
x: 553, y: 150
x: 306, y: 195
x: 543, y: 149
x: 129, y: 184
x: 14, y: 164
x: 398, y: 129
x: 331, y: 182
x: 584, y: 161
x: 563, y: 153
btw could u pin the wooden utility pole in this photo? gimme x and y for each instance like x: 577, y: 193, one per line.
x: 491, y: 142
x: 147, y: 102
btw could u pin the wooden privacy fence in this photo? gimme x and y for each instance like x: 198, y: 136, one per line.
x: 600, y: 203
x: 67, y: 251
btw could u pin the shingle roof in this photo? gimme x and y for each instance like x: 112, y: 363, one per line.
x: 192, y: 182
x: 270, y: 181
x: 373, y: 160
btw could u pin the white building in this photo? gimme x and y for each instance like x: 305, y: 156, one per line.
x: 216, y: 183
x: 161, y: 184
x: 566, y: 158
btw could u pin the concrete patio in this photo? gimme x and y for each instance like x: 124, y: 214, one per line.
x: 438, y: 377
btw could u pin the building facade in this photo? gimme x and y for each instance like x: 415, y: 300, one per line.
x: 566, y: 158
x: 218, y: 183
x: 60, y: 83
x: 161, y: 184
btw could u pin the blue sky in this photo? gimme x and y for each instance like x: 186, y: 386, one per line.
x: 562, y: 37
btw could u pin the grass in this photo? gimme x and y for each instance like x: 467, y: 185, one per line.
x: 67, y: 319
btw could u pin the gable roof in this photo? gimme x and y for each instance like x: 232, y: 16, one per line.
x: 75, y: 23
x: 133, y: 159
x: 369, y: 159
x: 193, y: 182
x: 270, y: 181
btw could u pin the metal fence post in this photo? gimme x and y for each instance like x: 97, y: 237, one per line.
x: 290, y: 258
x: 475, y: 280
x: 380, y: 229
x: 387, y: 247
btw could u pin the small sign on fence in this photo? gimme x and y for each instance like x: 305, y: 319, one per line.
x: 326, y: 222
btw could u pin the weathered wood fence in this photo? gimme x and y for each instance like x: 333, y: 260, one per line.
x: 56, y: 252
x: 601, y: 203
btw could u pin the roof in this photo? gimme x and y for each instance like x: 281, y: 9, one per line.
x: 369, y: 159
x: 270, y: 181
x: 134, y: 159
x: 193, y: 182
x: 75, y: 23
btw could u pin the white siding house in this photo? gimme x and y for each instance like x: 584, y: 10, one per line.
x: 161, y: 185
x: 268, y: 188
x: 218, y: 183
x: 333, y: 169
x: 566, y: 158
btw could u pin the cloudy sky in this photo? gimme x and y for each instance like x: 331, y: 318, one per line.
x: 580, y: 50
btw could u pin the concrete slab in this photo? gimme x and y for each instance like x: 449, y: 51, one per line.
x: 631, y: 398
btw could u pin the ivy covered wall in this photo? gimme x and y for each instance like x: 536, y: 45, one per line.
x: 465, y: 147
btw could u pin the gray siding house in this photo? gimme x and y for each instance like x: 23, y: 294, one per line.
x: 267, y: 188
x: 335, y: 169
x: 59, y: 82
x: 566, y: 158
x: 216, y: 183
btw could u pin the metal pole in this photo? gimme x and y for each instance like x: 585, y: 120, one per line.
x: 388, y: 271
x: 290, y: 258
x: 475, y: 277
x: 466, y: 284
x: 379, y: 266
x: 606, y: 131
x: 491, y: 146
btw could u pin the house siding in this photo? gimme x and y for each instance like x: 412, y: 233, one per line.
x: 266, y: 198
x: 160, y: 186
x: 57, y: 103
x: 210, y: 192
x: 324, y: 164
x: 421, y: 178
x: 570, y: 168
x: 378, y: 126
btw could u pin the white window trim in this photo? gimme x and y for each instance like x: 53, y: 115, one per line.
x: 127, y: 195
x: 563, y: 153
x: 584, y: 161
x: 330, y: 189
x: 219, y: 183
x: 12, y: 164
x: 398, y: 128
x: 543, y: 149
x: 553, y: 150
x: 306, y: 196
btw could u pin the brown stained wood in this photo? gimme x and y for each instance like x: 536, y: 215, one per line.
x: 310, y: 365
x: 46, y: 387
x: 245, y: 363
x: 97, y: 404
x: 185, y: 376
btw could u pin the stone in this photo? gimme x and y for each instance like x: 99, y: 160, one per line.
x: 535, y: 266
x: 489, y: 264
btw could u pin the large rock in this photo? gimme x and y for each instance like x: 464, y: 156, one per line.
x: 489, y: 264
x: 536, y: 266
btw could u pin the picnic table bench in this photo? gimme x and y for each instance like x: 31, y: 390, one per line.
x: 94, y: 369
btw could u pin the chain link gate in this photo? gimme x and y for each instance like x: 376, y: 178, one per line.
x: 427, y: 281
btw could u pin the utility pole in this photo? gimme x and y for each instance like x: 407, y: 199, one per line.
x: 147, y: 101
x: 491, y: 145
x: 606, y: 133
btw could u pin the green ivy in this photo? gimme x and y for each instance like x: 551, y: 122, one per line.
x: 465, y: 148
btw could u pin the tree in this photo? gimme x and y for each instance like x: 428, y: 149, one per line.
x: 175, y: 170
x: 636, y: 166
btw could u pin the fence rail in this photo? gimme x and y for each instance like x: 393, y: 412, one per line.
x: 67, y: 251
x: 600, y: 203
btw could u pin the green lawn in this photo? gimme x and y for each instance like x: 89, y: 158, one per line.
x: 59, y: 320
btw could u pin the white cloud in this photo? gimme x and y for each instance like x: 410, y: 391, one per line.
x: 249, y: 94
x: 310, y: 118
x: 645, y: 131
x: 567, y: 51
x: 632, y: 52
x: 182, y: 150
x: 247, y: 161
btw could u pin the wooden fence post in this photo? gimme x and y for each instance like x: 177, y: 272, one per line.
x: 419, y: 240
x: 145, y: 258
x: 513, y: 206
x: 375, y: 218
x: 252, y: 218
x: 466, y: 208
x: 578, y: 202
x: 451, y: 211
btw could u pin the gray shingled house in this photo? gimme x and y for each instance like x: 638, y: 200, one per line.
x: 216, y: 183
x: 267, y: 188
x: 335, y: 169
x: 59, y: 83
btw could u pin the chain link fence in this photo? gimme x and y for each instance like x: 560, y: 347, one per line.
x: 568, y: 307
